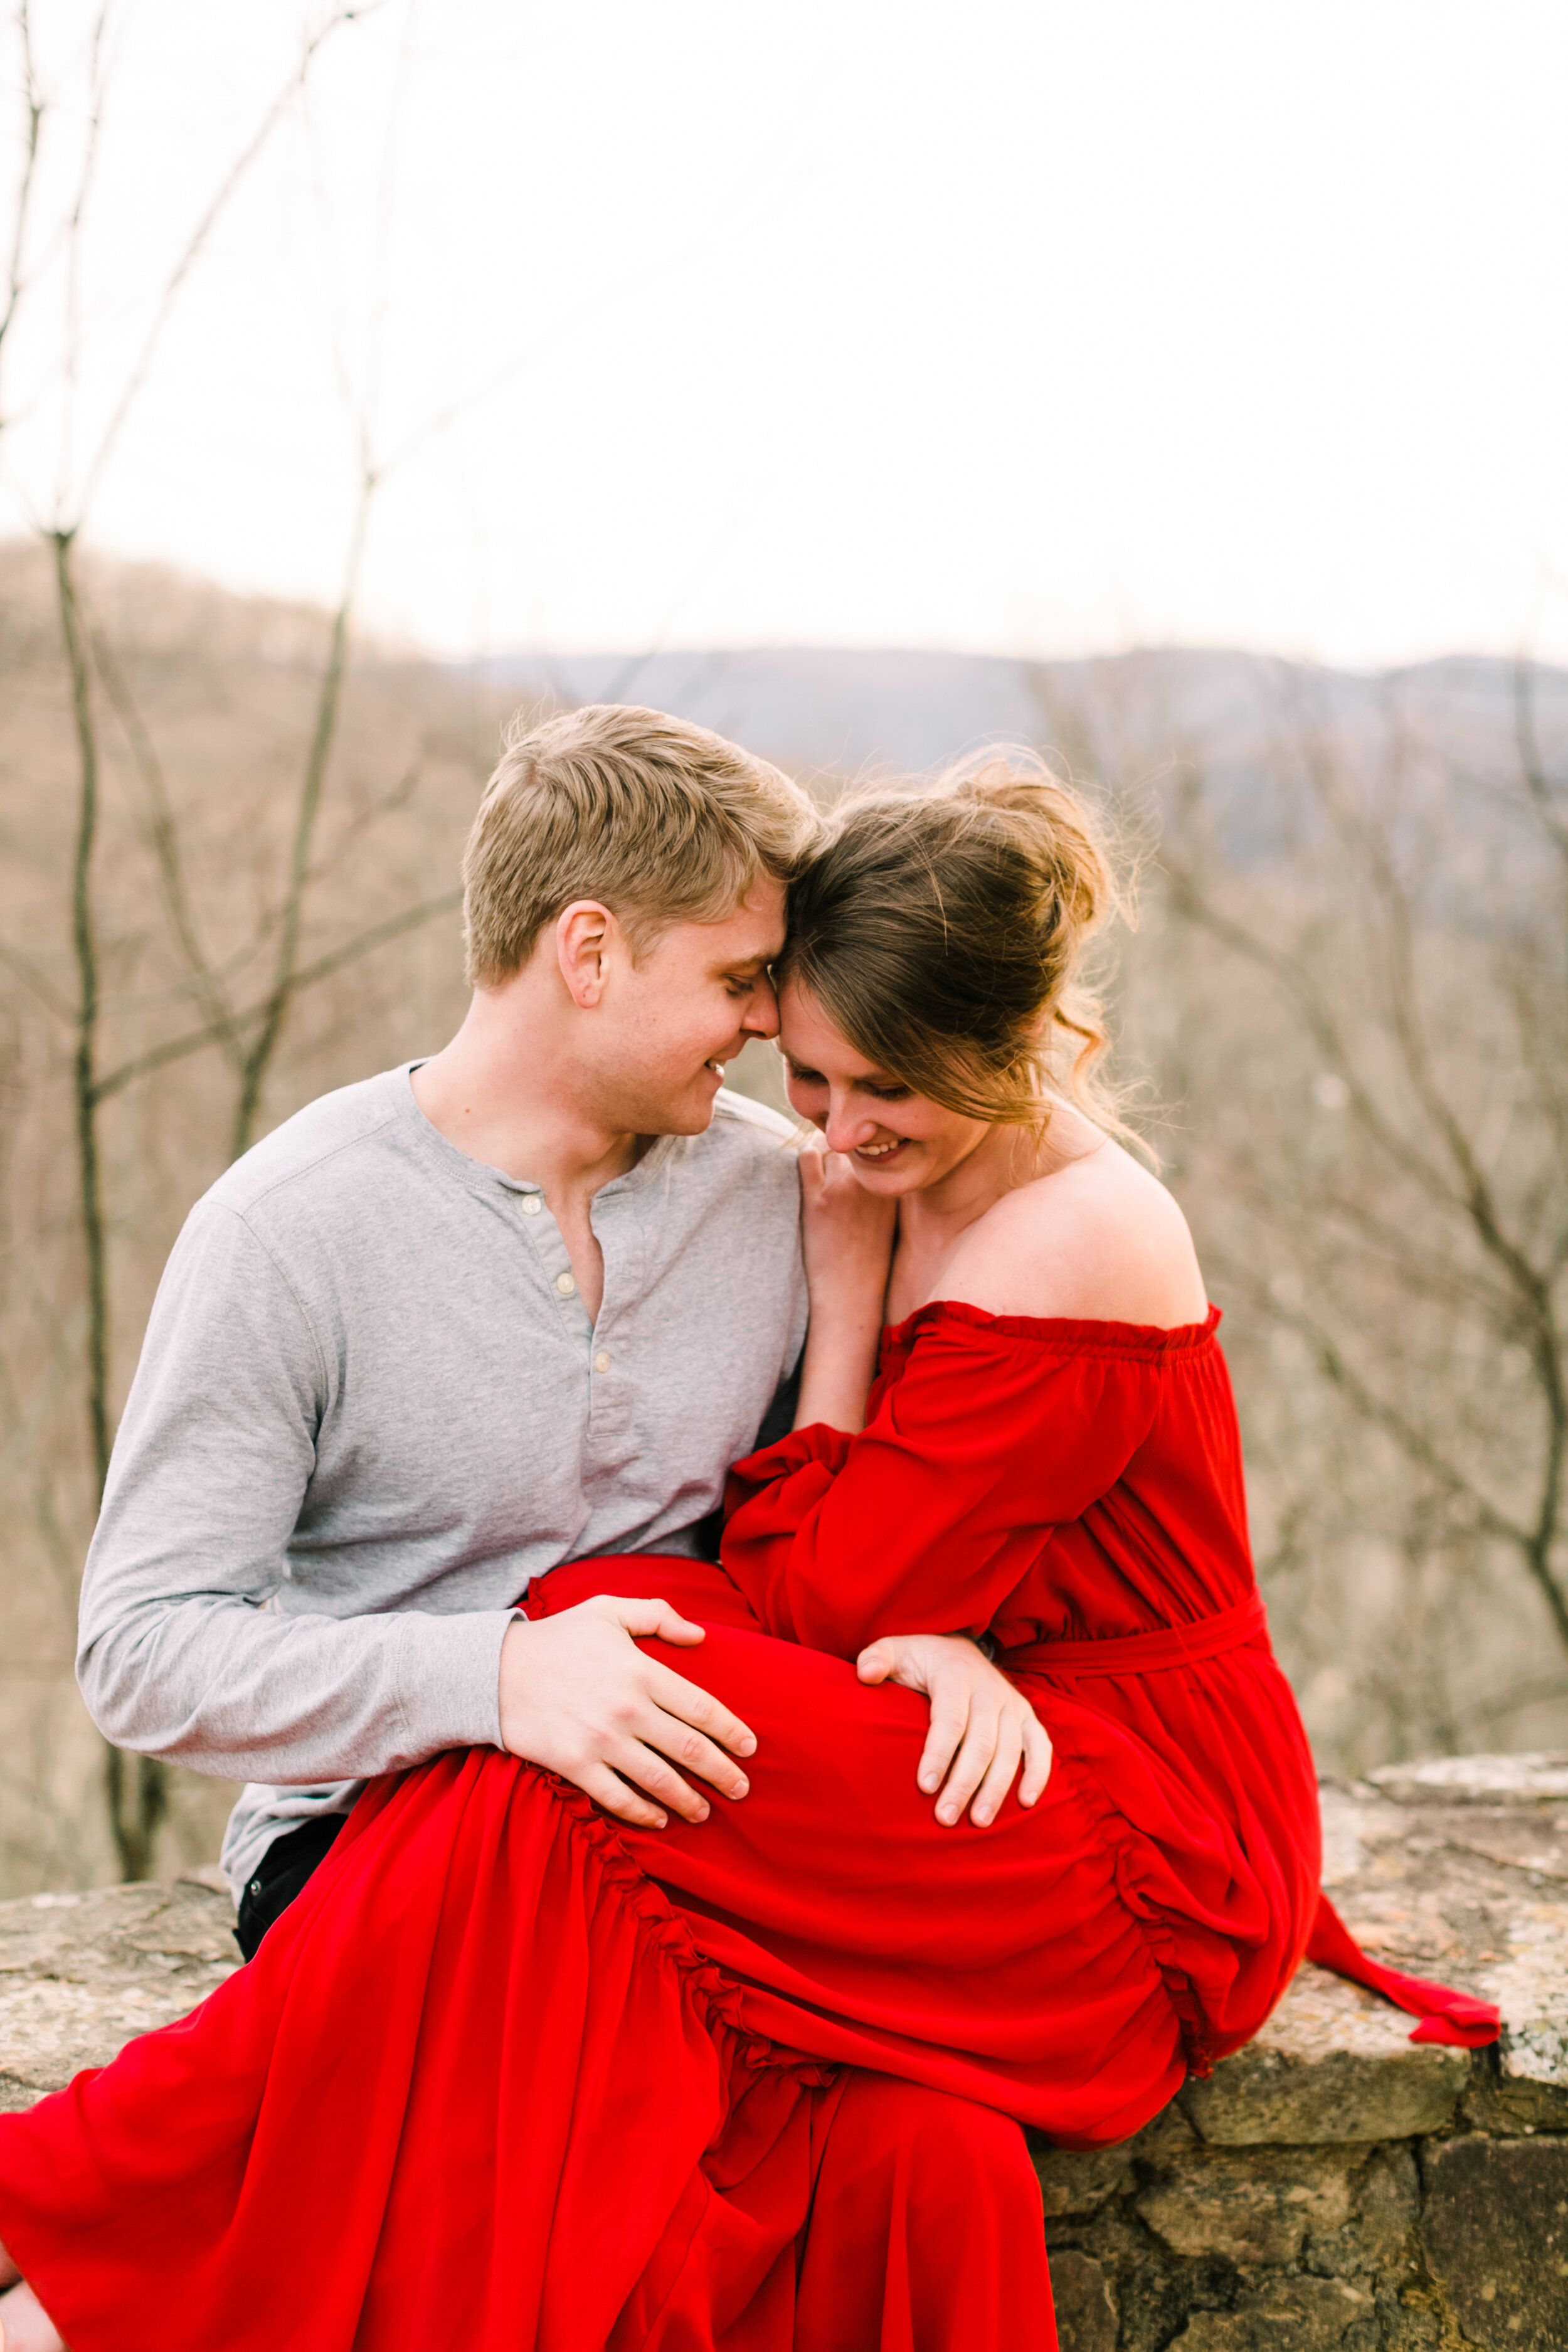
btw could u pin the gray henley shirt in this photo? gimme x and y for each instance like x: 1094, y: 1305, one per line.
x: 371, y: 1407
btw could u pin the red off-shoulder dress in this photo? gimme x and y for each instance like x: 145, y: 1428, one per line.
x: 510, y: 2076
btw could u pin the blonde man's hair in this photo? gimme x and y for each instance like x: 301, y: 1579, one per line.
x: 662, y: 822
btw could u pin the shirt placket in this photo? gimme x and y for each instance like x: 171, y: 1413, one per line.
x: 616, y: 1230
x: 551, y: 1249
x: 609, y: 1389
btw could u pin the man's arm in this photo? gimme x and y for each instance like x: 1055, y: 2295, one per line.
x: 578, y: 1697
x: 179, y: 1656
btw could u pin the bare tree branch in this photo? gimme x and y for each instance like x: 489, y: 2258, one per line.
x: 164, y: 840
x: 1413, y: 1441
x: 73, y: 228
x: 1423, y: 1271
x: 1298, y: 982
x: 393, y: 927
x: 1475, y: 1191
x: 84, y: 938
x: 364, y: 821
x: 1532, y: 768
x: 33, y: 105
x: 176, y: 1049
x: 259, y: 1057
x: 191, y: 253
x: 1537, y: 1691
x: 42, y: 987
x: 1531, y: 1285
x: 1392, y: 1024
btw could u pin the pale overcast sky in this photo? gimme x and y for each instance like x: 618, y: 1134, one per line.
x: 1024, y: 326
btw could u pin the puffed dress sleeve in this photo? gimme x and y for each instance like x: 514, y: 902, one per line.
x: 998, y: 1429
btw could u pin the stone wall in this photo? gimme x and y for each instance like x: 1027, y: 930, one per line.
x: 1334, y: 2185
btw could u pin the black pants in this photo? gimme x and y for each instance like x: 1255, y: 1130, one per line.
x: 280, y: 1874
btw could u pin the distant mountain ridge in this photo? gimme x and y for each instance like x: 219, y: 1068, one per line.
x: 845, y: 712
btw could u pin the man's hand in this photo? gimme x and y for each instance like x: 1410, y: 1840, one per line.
x: 982, y: 1726
x: 578, y: 1697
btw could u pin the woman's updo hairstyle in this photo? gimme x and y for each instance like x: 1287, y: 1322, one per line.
x: 942, y: 929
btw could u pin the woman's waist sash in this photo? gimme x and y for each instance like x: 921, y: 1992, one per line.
x: 1135, y: 1654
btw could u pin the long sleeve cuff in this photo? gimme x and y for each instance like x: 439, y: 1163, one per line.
x: 448, y: 1676
x: 817, y: 1446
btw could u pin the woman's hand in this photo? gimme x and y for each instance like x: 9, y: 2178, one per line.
x: 847, y: 1235
x: 982, y: 1726
x: 846, y: 1231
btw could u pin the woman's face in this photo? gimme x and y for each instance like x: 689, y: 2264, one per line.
x: 894, y: 1140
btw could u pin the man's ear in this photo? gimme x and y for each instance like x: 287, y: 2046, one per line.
x: 584, y: 931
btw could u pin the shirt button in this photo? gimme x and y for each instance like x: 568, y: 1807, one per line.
x: 601, y: 1363
x: 531, y: 1205
x: 565, y: 1285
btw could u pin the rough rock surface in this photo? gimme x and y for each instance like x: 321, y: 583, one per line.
x: 80, y: 1974
x: 1333, y: 2188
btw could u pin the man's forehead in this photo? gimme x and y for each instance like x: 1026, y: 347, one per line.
x: 754, y: 933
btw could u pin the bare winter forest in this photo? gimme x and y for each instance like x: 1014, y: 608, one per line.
x: 229, y: 850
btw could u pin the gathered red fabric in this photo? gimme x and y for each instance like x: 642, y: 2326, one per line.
x: 1076, y: 1489
x: 1457, y: 2018
x: 512, y: 2077
x: 479, y: 2087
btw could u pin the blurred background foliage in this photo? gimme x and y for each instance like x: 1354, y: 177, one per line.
x: 253, y: 276
x: 1342, y: 1018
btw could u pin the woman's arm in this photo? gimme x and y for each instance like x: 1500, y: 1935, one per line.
x: 847, y: 1239
x: 924, y: 1521
x: 981, y: 1727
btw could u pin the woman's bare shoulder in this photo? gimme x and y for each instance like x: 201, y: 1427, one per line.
x: 1097, y: 1239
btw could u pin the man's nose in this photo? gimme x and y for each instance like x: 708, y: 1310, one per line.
x: 762, y: 1015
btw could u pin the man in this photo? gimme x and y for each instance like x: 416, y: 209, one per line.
x: 448, y: 1328
x: 520, y: 1303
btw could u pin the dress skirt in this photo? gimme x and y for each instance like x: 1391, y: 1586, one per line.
x: 510, y: 2074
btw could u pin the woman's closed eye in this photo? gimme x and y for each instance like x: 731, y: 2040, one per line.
x: 880, y: 1090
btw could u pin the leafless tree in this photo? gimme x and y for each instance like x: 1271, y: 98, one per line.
x: 1380, y: 1012
x: 246, y: 1033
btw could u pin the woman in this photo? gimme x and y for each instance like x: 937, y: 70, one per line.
x: 508, y: 2074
